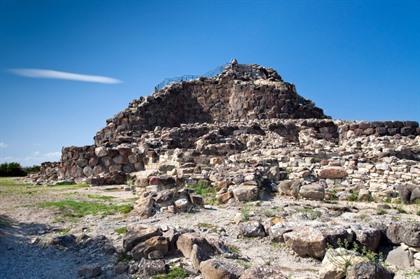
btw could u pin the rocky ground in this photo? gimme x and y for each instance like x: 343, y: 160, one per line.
x: 283, y: 236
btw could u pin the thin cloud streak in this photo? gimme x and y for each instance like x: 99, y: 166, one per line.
x: 52, y: 74
x: 3, y: 145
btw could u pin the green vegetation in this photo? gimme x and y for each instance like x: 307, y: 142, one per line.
x: 345, y: 260
x: 11, y: 169
x: 380, y: 211
x: 333, y: 195
x: 174, y: 273
x: 122, y: 230
x: 100, y: 197
x: 401, y: 210
x: 244, y: 264
x: 210, y: 227
x: 204, y: 189
x: 16, y: 186
x: 310, y: 213
x: 245, y: 212
x: 76, y: 209
x: 233, y: 249
x: 15, y: 169
x: 63, y: 231
x: 353, y: 196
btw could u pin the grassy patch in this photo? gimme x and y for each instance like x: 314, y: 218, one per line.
x: 65, y: 187
x: 244, y: 264
x: 233, y: 249
x: 100, y: 197
x: 63, y: 231
x: 15, y: 186
x: 210, y: 227
x: 204, y: 189
x: 380, y: 211
x: 245, y: 213
x: 354, y: 196
x: 73, y: 208
x: 122, y: 230
x: 174, y: 273
x: 310, y: 213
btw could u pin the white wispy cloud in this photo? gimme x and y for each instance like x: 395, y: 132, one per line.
x: 53, y: 74
x: 3, y: 145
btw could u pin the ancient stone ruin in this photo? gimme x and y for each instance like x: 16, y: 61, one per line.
x: 249, y: 136
x: 207, y: 117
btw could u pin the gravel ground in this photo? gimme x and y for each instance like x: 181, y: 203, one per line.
x: 20, y: 259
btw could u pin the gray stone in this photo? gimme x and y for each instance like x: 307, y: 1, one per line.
x: 400, y: 257
x: 368, y: 270
x: 314, y: 191
x: 406, y: 232
x: 251, y: 229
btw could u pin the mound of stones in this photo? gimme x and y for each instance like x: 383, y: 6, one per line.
x: 154, y: 248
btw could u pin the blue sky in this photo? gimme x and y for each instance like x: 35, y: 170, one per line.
x: 356, y: 59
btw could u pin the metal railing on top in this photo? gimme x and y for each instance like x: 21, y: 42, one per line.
x: 208, y: 74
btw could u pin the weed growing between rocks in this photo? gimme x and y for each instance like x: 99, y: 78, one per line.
x: 204, y: 189
x: 245, y: 214
x: 349, y: 253
x: 121, y: 231
x: 174, y: 273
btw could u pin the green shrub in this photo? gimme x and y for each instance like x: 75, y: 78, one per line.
x: 12, y: 169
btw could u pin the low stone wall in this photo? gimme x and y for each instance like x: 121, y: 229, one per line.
x: 109, y: 164
x: 380, y: 128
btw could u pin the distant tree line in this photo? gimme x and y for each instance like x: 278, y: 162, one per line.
x: 15, y: 169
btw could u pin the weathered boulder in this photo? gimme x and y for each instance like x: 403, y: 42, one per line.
x: 155, y: 247
x: 89, y: 271
x: 251, y: 229
x: 186, y: 242
x: 401, y: 257
x: 335, y: 262
x: 289, y: 187
x: 139, y: 234
x: 368, y: 270
x: 406, y: 232
x: 333, y: 173
x: 199, y: 254
x: 369, y: 237
x: 313, y: 191
x: 101, y: 151
x: 245, y: 193
x: 409, y: 193
x: 277, y: 231
x: 219, y: 269
x: 306, y: 242
x: 148, y: 268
